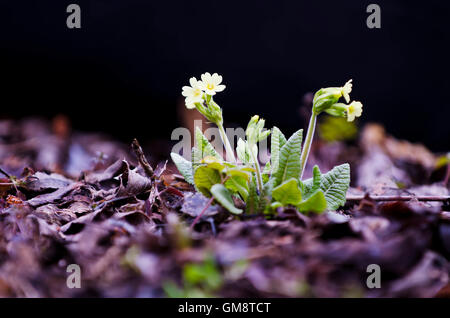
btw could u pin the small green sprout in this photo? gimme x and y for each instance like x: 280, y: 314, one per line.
x: 199, y: 280
x: 279, y: 183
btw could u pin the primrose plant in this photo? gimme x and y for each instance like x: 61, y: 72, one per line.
x: 279, y: 183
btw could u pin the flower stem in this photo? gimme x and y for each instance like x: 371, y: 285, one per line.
x: 226, y: 142
x: 308, y: 142
x: 257, y: 168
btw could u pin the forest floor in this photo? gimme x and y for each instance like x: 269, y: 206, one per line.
x: 77, y: 198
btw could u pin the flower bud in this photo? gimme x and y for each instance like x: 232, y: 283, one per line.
x: 255, y: 131
x: 337, y: 110
x: 325, y: 98
x: 214, y: 113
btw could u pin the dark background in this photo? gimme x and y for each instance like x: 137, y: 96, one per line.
x: 122, y: 72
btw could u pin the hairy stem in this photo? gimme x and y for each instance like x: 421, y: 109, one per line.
x: 226, y: 142
x: 308, y: 142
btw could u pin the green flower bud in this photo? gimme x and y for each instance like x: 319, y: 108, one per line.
x: 213, y: 113
x: 255, y: 131
x: 325, y: 98
x: 337, y: 110
x: 253, y: 121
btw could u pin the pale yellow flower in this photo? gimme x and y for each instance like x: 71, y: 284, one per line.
x: 354, y: 110
x: 346, y: 90
x: 193, y: 93
x: 211, y: 83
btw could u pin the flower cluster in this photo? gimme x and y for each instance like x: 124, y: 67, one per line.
x: 209, y: 85
x: 200, y: 96
x: 326, y: 100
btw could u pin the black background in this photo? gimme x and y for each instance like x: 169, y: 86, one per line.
x: 122, y: 72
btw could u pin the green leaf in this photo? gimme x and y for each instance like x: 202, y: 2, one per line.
x: 288, y: 192
x: 276, y: 205
x: 277, y: 142
x: 184, y: 166
x: 205, y: 178
x: 315, y: 203
x: 214, y: 163
x: 223, y: 196
x: 204, y: 146
x: 289, y: 161
x: 196, y: 158
x: 238, y: 184
x: 238, y: 172
x: 311, y: 185
x: 334, y: 185
x: 266, y: 196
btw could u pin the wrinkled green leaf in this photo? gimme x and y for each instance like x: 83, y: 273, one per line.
x: 223, y: 196
x: 266, y: 196
x: 278, y: 140
x: 205, y: 178
x: 288, y: 192
x: 315, y: 203
x: 311, y: 185
x: 334, y: 185
x: 289, y: 160
x: 184, y: 167
x: 196, y: 158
